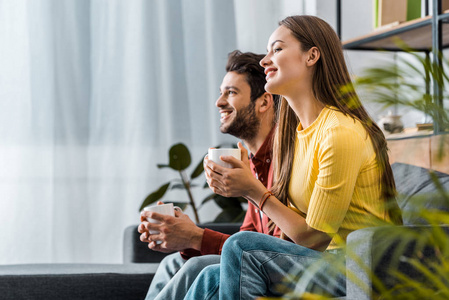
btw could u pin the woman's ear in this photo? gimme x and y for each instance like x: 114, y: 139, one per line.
x: 313, y: 55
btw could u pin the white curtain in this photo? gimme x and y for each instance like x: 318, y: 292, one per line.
x: 92, y: 95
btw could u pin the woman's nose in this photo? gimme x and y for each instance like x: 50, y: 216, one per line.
x: 265, y: 61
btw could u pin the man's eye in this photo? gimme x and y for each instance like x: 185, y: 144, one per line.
x: 232, y: 92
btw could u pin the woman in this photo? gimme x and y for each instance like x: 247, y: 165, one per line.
x: 331, y: 170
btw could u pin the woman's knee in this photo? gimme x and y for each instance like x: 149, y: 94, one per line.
x: 243, y: 240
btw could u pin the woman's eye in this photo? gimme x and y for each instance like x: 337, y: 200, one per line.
x: 277, y: 50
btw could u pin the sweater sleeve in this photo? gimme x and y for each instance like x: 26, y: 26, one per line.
x: 340, y: 157
x: 251, y: 221
x: 213, y: 241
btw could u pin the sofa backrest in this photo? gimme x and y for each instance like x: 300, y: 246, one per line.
x: 417, y: 192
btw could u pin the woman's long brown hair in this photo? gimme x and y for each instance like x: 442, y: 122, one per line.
x: 330, y: 75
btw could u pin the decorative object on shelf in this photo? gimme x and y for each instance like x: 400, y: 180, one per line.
x: 444, y: 6
x: 394, y: 12
x: 391, y: 123
x: 180, y: 160
x: 424, y: 126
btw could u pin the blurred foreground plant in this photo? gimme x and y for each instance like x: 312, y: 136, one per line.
x: 179, y: 160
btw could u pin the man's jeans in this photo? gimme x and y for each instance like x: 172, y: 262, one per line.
x: 175, y: 275
x: 255, y: 264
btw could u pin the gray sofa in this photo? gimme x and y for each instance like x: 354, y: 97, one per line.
x: 129, y: 280
x: 374, y: 248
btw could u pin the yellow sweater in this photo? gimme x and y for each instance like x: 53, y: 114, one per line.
x: 335, y: 179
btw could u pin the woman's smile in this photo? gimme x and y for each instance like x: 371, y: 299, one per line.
x: 270, y: 72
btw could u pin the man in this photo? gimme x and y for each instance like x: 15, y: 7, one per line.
x: 247, y: 112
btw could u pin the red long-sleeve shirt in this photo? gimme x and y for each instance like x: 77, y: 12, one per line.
x: 260, y: 164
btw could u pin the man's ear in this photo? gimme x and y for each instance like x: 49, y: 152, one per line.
x: 313, y: 55
x: 266, y: 102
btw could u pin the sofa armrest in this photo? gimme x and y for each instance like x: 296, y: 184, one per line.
x: 358, y: 253
x: 374, y: 255
x: 135, y: 251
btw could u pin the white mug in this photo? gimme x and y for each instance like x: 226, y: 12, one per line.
x: 214, y: 155
x: 164, y: 209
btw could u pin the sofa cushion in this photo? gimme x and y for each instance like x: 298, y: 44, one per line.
x: 417, y: 192
x: 75, y: 281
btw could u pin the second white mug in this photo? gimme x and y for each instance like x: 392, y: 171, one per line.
x: 214, y: 155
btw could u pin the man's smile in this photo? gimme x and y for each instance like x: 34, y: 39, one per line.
x: 224, y: 114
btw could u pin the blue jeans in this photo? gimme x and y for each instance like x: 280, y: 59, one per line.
x: 254, y: 264
x: 175, y: 275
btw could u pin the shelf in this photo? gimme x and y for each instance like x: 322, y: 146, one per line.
x: 417, y: 34
x: 408, y: 133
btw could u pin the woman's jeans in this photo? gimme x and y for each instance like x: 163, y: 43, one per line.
x: 254, y: 264
x: 175, y: 275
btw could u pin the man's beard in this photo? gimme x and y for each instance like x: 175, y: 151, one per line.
x: 245, y: 125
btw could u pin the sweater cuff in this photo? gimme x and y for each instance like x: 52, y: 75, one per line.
x: 212, y: 242
x: 189, y: 253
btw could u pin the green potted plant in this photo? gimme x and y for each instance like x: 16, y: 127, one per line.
x: 179, y: 159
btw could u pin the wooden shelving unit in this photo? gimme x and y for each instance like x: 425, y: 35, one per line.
x: 429, y: 35
x: 417, y: 34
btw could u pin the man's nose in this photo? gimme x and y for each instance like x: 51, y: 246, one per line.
x: 220, y: 101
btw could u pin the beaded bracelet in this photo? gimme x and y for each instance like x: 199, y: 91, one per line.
x: 265, y: 196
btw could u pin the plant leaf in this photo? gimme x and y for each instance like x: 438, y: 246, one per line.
x: 177, y: 186
x: 179, y: 157
x: 198, y: 170
x: 180, y: 186
x: 208, y: 198
x: 230, y: 215
x: 227, y: 203
x: 182, y: 205
x: 154, y: 196
x: 160, y: 166
x: 242, y: 200
x: 224, y: 202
